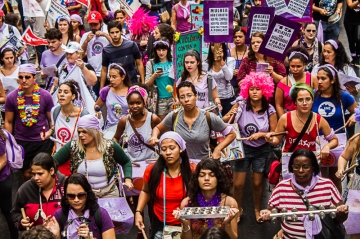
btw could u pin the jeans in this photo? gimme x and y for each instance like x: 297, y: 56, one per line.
x: 6, y: 205
x: 330, y: 31
x: 353, y: 35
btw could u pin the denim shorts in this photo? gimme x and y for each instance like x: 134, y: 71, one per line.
x: 255, y: 156
x: 165, y: 106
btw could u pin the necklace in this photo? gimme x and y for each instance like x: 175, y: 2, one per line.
x: 303, y: 122
x: 67, y: 119
x: 195, y: 78
x: 29, y: 121
x: 213, y: 202
x: 237, y: 58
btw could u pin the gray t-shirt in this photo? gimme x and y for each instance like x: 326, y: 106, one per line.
x: 197, y: 138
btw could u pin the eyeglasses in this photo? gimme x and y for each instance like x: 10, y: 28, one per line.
x: 26, y: 77
x: 80, y: 196
x: 309, y: 30
x: 187, y: 96
x: 303, y: 100
x: 298, y: 167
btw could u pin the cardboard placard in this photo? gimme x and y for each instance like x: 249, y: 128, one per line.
x: 259, y: 20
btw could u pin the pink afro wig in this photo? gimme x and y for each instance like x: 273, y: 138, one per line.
x: 258, y: 79
x: 139, y: 20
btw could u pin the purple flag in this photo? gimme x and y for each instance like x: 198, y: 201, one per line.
x: 279, y: 38
x: 218, y: 16
x: 259, y: 21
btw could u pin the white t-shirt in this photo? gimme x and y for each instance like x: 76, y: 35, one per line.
x: 95, y: 48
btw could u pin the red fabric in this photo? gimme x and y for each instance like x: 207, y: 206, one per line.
x: 96, y: 6
x: 175, y: 193
x: 308, y: 141
x: 65, y: 168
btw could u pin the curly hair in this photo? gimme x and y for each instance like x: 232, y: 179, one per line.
x: 341, y: 59
x: 38, y: 232
x: 299, y: 54
x: 74, y: 88
x: 223, y: 183
x: 336, y: 92
x: 53, y: 33
x: 251, y: 54
x: 166, y: 31
x: 185, y: 84
x: 257, y: 79
x: 91, y: 199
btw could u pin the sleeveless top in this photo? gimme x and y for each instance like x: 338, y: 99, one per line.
x: 136, y: 150
x: 116, y: 106
x: 288, y: 103
x: 308, y: 141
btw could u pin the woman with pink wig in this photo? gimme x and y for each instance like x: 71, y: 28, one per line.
x: 255, y: 117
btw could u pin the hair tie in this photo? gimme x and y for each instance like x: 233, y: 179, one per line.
x: 333, y: 43
x: 117, y: 65
x: 330, y: 68
x: 244, y: 29
x: 140, y: 90
x: 161, y: 41
x: 297, y: 52
x: 66, y: 18
x: 7, y: 47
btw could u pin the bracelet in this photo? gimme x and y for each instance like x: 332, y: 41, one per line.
x: 188, y: 229
x: 139, y: 212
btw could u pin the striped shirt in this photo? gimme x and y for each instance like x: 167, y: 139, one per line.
x: 284, y: 196
x: 126, y: 54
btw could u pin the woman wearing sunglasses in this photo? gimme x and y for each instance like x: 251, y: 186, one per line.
x: 40, y: 196
x: 310, y: 42
x: 80, y: 215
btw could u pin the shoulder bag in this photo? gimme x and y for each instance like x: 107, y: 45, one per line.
x: 138, y: 135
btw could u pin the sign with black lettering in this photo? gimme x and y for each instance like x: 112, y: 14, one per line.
x: 259, y: 20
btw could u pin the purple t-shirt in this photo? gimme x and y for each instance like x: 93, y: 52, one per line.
x: 48, y: 59
x: 116, y: 106
x: 22, y: 132
x: 182, y: 24
x: 5, y: 172
x: 251, y: 123
x: 107, y: 224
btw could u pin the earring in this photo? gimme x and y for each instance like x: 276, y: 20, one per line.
x: 143, y: 111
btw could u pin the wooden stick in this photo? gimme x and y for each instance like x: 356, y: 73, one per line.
x: 144, y: 233
x: 136, y: 164
x: 339, y: 129
x: 280, y: 133
x: 24, y: 217
x: 231, y: 118
x: 150, y: 160
x: 350, y: 168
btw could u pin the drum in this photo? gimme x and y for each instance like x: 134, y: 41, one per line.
x: 334, y: 18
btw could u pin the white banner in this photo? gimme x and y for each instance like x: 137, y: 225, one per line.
x: 130, y: 6
x: 56, y: 10
x: 32, y: 8
x: 87, y: 102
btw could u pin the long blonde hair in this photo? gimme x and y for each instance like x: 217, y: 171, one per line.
x: 100, y: 142
x: 357, y: 147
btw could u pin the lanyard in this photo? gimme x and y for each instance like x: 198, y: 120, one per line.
x: 86, y: 171
x: 40, y: 211
x: 164, y: 190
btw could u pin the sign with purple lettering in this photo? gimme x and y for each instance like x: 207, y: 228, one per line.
x: 295, y: 10
x: 279, y: 38
x: 218, y: 18
x: 259, y: 20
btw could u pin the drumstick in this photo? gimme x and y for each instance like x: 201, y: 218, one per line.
x: 144, y: 233
x: 136, y: 164
x: 44, y: 131
x: 279, y: 133
x: 24, y: 217
x: 339, y: 129
x: 350, y: 168
x: 150, y: 160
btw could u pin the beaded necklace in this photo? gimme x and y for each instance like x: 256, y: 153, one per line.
x: 213, y: 202
x: 35, y: 106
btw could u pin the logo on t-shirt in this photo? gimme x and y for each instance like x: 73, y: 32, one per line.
x: 97, y: 48
x: 328, y: 5
x: 117, y: 110
x: 326, y: 109
x: 63, y: 134
x: 251, y: 129
x: 201, y: 96
x: 28, y: 111
x: 136, y: 143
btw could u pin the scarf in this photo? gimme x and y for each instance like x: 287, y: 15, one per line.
x: 315, y: 45
x: 312, y: 227
x: 213, y: 202
x: 73, y: 223
x: 185, y: 9
x: 69, y: 67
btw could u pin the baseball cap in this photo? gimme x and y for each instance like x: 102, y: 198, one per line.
x: 73, y: 47
x: 94, y: 17
x: 2, y: 14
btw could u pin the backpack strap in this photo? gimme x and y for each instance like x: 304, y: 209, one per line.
x: 56, y: 113
x: 11, y: 30
x: 174, y: 118
x: 98, y: 219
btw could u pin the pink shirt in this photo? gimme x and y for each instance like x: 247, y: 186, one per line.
x: 182, y: 24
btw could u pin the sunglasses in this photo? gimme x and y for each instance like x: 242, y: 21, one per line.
x: 311, y: 30
x: 80, y: 196
x: 26, y: 77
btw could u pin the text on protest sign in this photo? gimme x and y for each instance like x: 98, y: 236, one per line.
x: 218, y: 24
x: 298, y: 7
x: 296, y: 10
x: 130, y: 6
x: 188, y: 40
x: 279, y: 5
x: 14, y: 42
x: 56, y: 10
x: 259, y: 20
x: 197, y: 21
x: 32, y: 8
x: 279, y: 38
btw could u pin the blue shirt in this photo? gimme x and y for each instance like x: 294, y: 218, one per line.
x: 162, y: 81
x: 330, y: 110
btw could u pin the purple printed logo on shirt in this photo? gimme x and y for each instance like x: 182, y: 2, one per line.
x: 97, y: 48
x: 136, y: 143
x: 251, y: 129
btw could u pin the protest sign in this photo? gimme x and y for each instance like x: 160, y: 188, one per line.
x: 56, y: 10
x: 279, y: 38
x: 12, y: 42
x: 29, y: 38
x: 197, y: 21
x: 218, y: 18
x: 259, y: 20
x: 31, y: 8
x: 297, y: 10
x: 187, y: 41
x: 130, y: 6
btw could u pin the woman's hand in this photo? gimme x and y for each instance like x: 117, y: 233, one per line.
x: 352, y: 89
x: 351, y: 121
x: 236, y: 71
x: 255, y: 136
x: 139, y: 222
x: 153, y: 141
x: 216, y: 154
x: 52, y: 225
x: 323, y: 12
x: 83, y: 231
x: 46, y: 25
x: 157, y: 74
x: 269, y: 70
x: 80, y: 63
x: 340, y: 173
x: 232, y: 214
x: 176, y: 213
x: 264, y: 215
x: 128, y: 183
x: 219, y: 54
x: 26, y: 222
x: 269, y: 138
x: 325, y: 152
x: 342, y: 209
x: 47, y: 134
